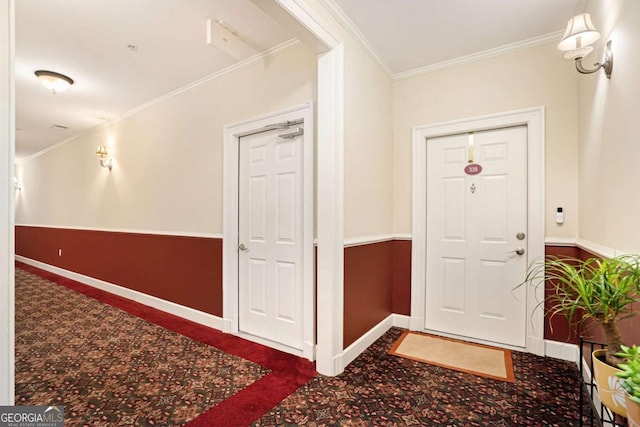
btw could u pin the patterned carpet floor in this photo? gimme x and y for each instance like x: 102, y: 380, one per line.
x: 108, y: 367
x: 379, y: 389
x: 111, y: 368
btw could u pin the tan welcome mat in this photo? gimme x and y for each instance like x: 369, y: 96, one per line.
x: 476, y: 359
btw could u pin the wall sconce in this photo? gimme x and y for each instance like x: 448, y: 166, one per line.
x: 103, y: 155
x: 16, y: 184
x: 53, y: 81
x: 576, y: 41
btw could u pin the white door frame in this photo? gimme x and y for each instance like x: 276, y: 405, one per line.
x: 231, y: 172
x: 533, y: 118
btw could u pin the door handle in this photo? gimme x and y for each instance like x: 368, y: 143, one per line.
x: 519, y: 251
x: 243, y: 248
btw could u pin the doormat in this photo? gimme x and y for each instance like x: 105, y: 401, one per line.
x: 471, y: 358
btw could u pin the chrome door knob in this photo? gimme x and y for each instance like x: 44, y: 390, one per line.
x: 242, y: 247
x: 519, y: 251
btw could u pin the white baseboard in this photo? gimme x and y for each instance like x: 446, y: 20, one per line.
x: 197, y: 316
x: 361, y: 344
x: 401, y: 321
x: 562, y: 350
x: 535, y: 345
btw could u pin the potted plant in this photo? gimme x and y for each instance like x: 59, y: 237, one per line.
x: 630, y: 381
x: 603, y: 290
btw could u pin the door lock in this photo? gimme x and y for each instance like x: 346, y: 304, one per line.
x: 519, y: 251
x: 243, y: 248
x: 520, y: 236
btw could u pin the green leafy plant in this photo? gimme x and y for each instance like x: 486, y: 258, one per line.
x: 630, y: 371
x: 600, y: 289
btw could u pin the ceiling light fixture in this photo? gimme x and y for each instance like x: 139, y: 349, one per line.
x: 103, y: 155
x: 577, y: 40
x: 53, y: 81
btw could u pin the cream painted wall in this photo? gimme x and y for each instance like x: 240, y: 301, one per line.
x: 368, y: 151
x: 609, y: 147
x: 167, y: 173
x: 537, y: 76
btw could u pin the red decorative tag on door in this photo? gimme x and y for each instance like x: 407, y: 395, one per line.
x: 473, y: 169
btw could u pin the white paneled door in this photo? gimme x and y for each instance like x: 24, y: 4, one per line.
x: 476, y: 235
x: 270, y: 254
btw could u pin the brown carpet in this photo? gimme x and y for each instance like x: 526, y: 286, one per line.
x: 379, y: 389
x: 476, y: 359
x: 108, y: 367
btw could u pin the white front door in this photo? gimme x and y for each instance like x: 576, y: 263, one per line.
x: 476, y: 235
x: 270, y: 236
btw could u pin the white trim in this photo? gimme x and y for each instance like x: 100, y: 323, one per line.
x: 289, y: 44
x: 562, y: 350
x: 479, y: 56
x: 188, y: 313
x: 367, y: 240
x: 311, y: 21
x: 533, y: 118
x: 361, y: 344
x: 597, y: 249
x: 7, y: 195
x: 230, y: 219
x: 401, y: 321
x: 403, y: 236
x: 330, y: 212
x: 559, y: 241
x: 117, y: 230
x: 346, y: 22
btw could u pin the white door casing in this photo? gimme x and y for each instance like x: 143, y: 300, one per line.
x: 270, y: 234
x: 475, y: 254
x: 234, y: 194
x: 533, y: 119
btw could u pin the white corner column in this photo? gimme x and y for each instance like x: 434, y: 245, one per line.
x: 330, y: 214
x: 7, y: 153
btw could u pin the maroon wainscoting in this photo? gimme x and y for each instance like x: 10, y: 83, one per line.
x: 184, y: 270
x: 401, y: 291
x: 557, y: 328
x: 368, y: 279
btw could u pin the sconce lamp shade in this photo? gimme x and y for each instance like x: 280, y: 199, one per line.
x: 579, y: 34
x: 53, y: 81
x: 102, y: 152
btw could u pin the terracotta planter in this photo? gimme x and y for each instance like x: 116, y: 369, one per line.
x: 611, y: 392
x: 633, y: 412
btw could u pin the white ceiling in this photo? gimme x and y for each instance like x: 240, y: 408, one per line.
x: 88, y: 41
x: 409, y: 34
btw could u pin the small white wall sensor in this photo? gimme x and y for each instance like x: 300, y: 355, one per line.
x: 559, y: 216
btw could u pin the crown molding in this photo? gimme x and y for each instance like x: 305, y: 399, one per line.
x: 289, y: 44
x: 478, y: 56
x: 354, y: 32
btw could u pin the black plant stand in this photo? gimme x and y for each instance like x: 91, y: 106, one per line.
x: 588, y: 411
